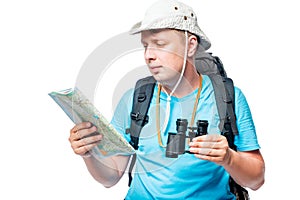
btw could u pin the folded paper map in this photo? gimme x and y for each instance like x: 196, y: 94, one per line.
x: 80, y: 109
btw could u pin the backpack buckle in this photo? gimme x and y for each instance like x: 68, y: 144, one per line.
x: 134, y: 116
x: 142, y: 97
x: 137, y: 116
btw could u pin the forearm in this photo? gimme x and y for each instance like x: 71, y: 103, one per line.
x: 107, y: 171
x: 248, y: 171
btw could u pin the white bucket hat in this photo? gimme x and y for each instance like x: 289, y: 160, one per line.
x: 174, y: 15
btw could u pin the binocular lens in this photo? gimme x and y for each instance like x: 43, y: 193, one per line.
x: 202, y: 127
x: 176, y: 141
x: 181, y: 125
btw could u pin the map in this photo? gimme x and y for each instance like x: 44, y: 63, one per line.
x: 79, y: 109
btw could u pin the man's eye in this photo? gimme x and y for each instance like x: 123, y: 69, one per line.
x: 160, y: 44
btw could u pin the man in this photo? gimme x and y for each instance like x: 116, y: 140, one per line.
x: 171, y: 38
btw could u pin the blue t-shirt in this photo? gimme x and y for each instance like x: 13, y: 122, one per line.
x: 185, y: 177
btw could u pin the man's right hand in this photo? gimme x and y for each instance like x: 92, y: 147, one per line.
x: 83, y: 137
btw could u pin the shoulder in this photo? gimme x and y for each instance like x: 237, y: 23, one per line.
x: 127, y: 98
x: 206, y: 84
x: 242, y: 107
x: 240, y: 98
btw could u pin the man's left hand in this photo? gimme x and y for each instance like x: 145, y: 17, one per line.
x: 211, y: 147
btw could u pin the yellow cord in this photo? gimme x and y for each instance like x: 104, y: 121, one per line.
x: 158, y: 110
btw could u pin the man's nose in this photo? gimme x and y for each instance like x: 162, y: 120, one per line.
x: 150, y: 54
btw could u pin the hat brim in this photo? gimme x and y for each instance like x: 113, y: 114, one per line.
x: 173, y: 23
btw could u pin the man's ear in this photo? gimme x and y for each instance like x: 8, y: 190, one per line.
x: 193, y: 45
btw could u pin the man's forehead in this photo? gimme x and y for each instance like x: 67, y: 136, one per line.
x: 155, y: 31
x: 159, y: 32
x: 155, y: 35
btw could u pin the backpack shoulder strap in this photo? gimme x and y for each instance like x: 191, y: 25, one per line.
x: 141, y: 100
x: 212, y: 66
x: 142, y: 96
x: 230, y: 127
x: 224, y: 95
x: 225, y: 100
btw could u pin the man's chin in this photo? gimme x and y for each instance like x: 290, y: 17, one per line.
x: 157, y: 77
x: 160, y: 79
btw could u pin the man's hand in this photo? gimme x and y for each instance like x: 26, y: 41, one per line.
x: 83, y: 137
x: 211, y: 147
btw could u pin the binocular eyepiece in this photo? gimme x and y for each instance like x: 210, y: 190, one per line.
x: 177, y: 141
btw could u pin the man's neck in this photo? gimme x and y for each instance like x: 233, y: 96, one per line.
x: 188, y: 83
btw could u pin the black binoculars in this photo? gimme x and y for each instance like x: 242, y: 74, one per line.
x: 177, y: 141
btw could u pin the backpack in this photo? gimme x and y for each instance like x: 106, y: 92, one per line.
x: 206, y: 64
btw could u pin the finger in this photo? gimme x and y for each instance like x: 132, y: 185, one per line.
x: 89, y: 140
x: 86, y: 141
x: 207, y: 152
x: 209, y: 158
x: 84, y: 132
x: 84, y: 145
x: 211, y: 145
x: 84, y: 149
x: 209, y: 137
x: 80, y: 126
x: 88, y: 132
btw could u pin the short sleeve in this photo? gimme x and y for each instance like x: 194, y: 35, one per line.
x: 121, y: 118
x: 246, y: 140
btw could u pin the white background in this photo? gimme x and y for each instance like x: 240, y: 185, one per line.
x: 43, y: 45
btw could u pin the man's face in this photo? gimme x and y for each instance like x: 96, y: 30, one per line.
x: 164, y: 54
